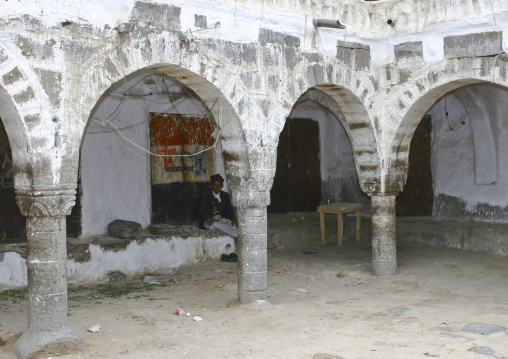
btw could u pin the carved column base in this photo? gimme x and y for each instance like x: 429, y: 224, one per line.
x: 48, y: 343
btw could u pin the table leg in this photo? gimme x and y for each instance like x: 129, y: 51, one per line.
x: 358, y: 225
x: 322, y: 222
x: 339, y: 229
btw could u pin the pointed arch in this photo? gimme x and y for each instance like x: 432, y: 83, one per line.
x: 407, y: 106
x: 351, y: 113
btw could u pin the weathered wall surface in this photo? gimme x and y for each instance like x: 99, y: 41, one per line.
x: 458, y: 193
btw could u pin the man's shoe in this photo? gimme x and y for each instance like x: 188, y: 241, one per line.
x: 224, y: 257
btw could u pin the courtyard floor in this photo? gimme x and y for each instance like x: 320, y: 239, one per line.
x: 443, y: 303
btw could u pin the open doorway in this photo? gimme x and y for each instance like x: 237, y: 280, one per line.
x: 418, y: 196
x: 297, y: 183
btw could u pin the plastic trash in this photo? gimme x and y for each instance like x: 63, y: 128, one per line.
x: 179, y: 311
x: 197, y: 319
x: 150, y: 280
x: 94, y: 328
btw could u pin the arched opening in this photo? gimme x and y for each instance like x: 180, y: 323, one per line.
x: 347, y: 157
x: 469, y: 154
x: 150, y: 146
x: 331, y: 162
x: 467, y: 158
x: 15, y: 168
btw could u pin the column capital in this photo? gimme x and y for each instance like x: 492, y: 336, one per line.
x: 45, y: 202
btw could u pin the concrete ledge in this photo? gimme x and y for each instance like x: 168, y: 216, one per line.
x: 480, y: 237
x: 92, y: 259
x: 302, y: 229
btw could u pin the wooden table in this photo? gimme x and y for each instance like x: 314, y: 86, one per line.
x: 340, y: 209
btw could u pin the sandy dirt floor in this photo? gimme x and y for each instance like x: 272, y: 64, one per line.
x: 324, y: 305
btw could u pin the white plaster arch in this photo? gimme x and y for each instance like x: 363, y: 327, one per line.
x: 485, y: 160
x: 19, y: 101
x: 87, y: 91
x: 17, y: 138
x: 409, y: 103
x: 354, y: 117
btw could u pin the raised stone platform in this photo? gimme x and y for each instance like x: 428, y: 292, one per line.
x: 91, y: 259
x: 300, y: 229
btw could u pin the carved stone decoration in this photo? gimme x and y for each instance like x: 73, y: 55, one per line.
x: 45, y: 203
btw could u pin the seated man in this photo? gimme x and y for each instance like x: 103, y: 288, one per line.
x: 215, y: 209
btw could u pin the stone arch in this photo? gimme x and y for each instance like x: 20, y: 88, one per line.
x: 353, y: 116
x: 231, y: 133
x: 16, y: 111
x: 18, y: 139
x: 413, y: 100
x: 219, y: 111
x: 86, y: 90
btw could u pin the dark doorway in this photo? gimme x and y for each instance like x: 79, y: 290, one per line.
x: 73, y: 220
x: 12, y: 223
x: 297, y: 183
x: 177, y: 181
x: 417, y: 198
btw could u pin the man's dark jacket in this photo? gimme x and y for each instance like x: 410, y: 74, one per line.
x: 205, y: 210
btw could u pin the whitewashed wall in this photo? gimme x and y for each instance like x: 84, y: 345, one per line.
x: 456, y: 194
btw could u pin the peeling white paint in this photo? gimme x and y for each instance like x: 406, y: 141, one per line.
x: 147, y: 257
x: 151, y: 255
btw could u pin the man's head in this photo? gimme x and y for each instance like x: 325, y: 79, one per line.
x: 217, y: 183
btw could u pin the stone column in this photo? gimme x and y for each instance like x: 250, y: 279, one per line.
x: 45, y: 211
x: 384, y: 243
x: 252, y: 259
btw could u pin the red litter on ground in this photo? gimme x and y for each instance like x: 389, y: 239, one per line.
x: 179, y: 311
